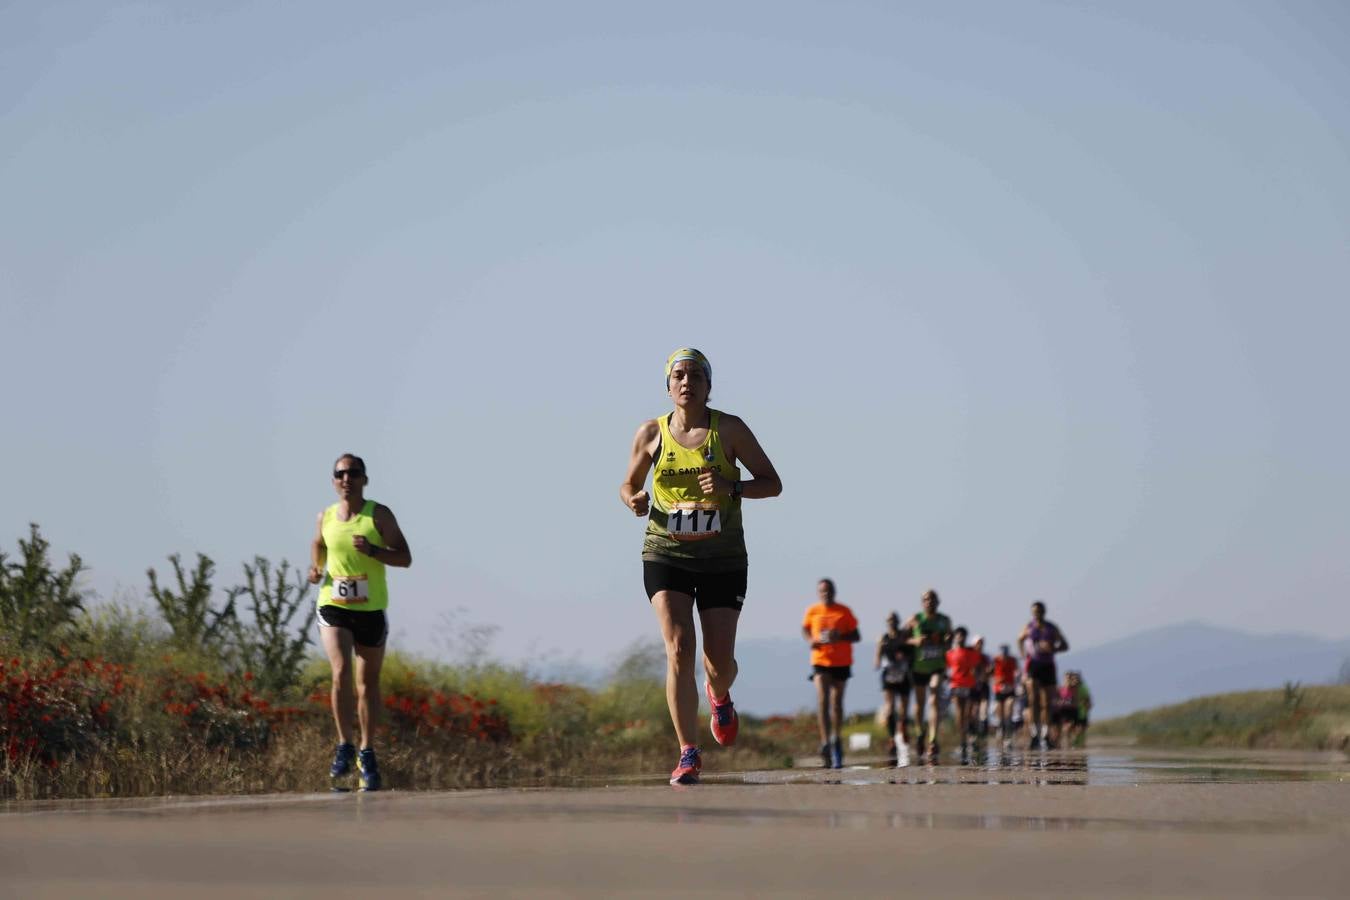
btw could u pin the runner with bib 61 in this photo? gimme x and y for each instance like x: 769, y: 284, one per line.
x: 693, y: 554
x: 355, y: 540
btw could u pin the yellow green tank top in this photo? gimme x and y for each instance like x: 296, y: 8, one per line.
x: 353, y: 580
x: 685, y: 528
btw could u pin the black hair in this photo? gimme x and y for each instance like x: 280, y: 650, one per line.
x: 361, y: 463
x: 830, y: 582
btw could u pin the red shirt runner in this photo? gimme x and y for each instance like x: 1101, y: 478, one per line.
x: 1005, y: 673
x: 961, y: 665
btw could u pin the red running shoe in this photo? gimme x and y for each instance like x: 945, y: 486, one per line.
x: 724, y: 721
x: 691, y: 764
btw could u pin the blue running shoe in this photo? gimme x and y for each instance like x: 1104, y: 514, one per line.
x: 342, y: 761
x: 691, y: 764
x: 370, y: 772
x: 837, y: 753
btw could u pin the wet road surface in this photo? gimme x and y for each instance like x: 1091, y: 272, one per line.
x: 1108, y: 823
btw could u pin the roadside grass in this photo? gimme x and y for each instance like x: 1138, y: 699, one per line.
x: 1315, y: 717
x: 154, y: 721
x: 209, y: 691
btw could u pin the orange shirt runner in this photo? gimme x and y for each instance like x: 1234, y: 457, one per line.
x: 961, y: 665
x: 1005, y: 673
x: 838, y: 619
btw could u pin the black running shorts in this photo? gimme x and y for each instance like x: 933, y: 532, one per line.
x: 1042, y: 672
x: 710, y: 590
x: 369, y: 629
x: 839, y: 673
x: 900, y: 687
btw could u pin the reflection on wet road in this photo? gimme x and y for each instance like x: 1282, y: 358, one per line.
x: 1097, y: 767
x: 1110, y: 822
x: 1094, y: 767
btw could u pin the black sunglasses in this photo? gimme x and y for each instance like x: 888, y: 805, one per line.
x: 338, y: 474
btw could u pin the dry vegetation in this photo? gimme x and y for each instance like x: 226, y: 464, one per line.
x: 1295, y: 717
x: 210, y: 691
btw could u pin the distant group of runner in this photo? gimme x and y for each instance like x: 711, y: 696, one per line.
x: 945, y: 667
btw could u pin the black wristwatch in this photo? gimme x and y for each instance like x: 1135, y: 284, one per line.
x: 737, y: 488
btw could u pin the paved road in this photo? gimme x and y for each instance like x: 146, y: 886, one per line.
x: 936, y: 833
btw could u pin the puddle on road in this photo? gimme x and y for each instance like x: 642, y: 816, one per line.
x: 1095, y: 768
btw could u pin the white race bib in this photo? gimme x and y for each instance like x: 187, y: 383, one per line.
x: 932, y: 651
x: 694, y: 521
x: 897, y: 671
x: 351, y: 589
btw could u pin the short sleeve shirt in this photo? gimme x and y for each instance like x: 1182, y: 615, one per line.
x: 961, y: 665
x: 837, y: 618
x: 1005, y: 672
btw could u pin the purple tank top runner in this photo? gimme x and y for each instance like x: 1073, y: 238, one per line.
x: 1037, y: 633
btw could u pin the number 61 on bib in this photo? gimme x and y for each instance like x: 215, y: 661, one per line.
x: 350, y: 589
x: 694, y: 521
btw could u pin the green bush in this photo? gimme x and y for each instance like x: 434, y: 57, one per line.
x: 39, y: 603
x: 117, y: 632
x: 195, y: 623
x: 268, y: 645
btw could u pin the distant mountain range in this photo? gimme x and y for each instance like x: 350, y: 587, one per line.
x: 1151, y: 668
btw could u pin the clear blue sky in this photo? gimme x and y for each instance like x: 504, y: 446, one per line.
x: 1023, y: 299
